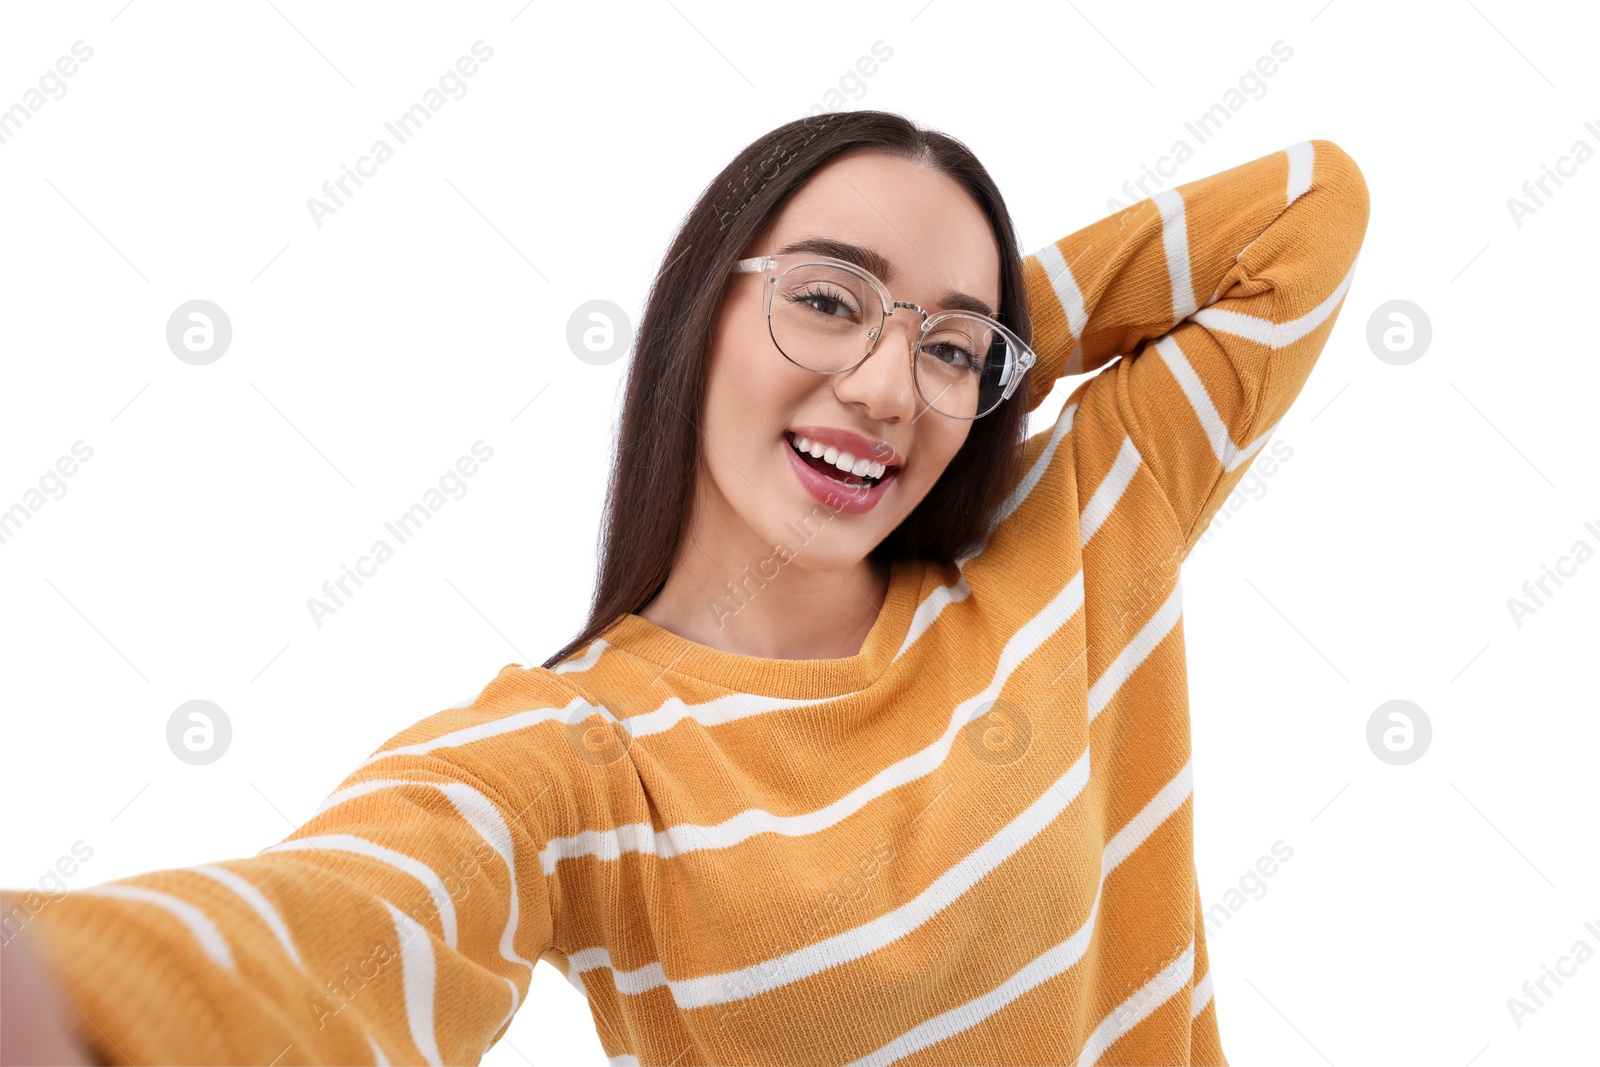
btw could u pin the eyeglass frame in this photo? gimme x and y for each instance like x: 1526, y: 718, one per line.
x: 1026, y: 357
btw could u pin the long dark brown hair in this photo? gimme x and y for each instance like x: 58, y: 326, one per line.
x: 656, y: 460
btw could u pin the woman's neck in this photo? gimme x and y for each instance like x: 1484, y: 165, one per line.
x: 775, y: 611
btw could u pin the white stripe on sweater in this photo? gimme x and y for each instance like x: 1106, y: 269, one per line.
x: 1024, y: 488
x: 399, y: 860
x: 482, y: 815
x: 418, y: 977
x: 1212, y: 424
x: 1068, y: 293
x: 851, y: 944
x: 1201, y: 997
x: 1211, y: 421
x: 1074, y: 364
x: 1175, y: 239
x: 478, y: 732
x: 1302, y: 157
x: 1054, y: 961
x: 1047, y: 965
x: 585, y: 661
x: 927, y: 611
x: 1136, y: 651
x: 1170, y: 980
x: 204, y: 931
x: 641, y: 979
x: 686, y: 837
x: 1275, y: 335
x: 1109, y: 491
x: 724, y: 709
x: 1262, y: 331
x: 893, y: 925
x: 479, y: 812
x: 868, y: 937
x: 258, y: 903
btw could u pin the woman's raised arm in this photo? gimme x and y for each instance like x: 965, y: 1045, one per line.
x: 1220, y: 293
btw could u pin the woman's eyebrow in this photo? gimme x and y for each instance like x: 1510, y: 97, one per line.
x: 874, y: 261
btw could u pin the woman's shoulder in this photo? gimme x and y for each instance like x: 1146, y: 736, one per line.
x: 521, y: 688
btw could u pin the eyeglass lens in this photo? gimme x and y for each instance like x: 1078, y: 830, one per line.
x: 826, y: 318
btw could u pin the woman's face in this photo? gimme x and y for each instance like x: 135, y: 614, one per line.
x: 932, y: 240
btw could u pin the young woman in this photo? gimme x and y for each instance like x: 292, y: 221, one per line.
x: 875, y: 745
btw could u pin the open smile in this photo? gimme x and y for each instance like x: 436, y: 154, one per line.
x: 821, y: 470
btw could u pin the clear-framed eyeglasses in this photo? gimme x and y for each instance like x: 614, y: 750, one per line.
x: 827, y: 315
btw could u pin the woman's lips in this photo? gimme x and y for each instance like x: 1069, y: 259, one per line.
x: 836, y: 495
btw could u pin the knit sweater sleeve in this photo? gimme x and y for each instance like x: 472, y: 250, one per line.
x: 1219, y: 294
x: 400, y: 923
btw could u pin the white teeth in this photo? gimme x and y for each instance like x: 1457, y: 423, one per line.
x: 861, y: 468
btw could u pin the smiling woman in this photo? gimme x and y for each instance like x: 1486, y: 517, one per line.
x: 927, y: 797
x: 909, y: 208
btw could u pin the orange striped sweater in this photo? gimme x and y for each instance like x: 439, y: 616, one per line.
x: 969, y: 843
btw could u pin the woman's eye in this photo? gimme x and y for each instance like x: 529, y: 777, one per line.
x: 954, y: 356
x: 825, y: 304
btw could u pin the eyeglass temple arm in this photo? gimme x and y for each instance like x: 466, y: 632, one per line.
x: 753, y: 266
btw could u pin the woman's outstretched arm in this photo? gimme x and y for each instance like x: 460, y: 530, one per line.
x: 36, y: 1027
x: 1220, y: 294
x: 401, y: 923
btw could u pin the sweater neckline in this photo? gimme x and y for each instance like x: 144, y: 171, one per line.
x: 793, y: 678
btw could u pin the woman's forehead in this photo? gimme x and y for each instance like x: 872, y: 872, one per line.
x: 925, y: 227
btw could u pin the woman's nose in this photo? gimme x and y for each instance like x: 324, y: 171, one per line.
x: 884, y: 381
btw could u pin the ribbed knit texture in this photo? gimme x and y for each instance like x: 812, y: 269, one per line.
x: 972, y: 842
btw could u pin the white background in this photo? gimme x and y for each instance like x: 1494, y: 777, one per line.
x: 426, y: 314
